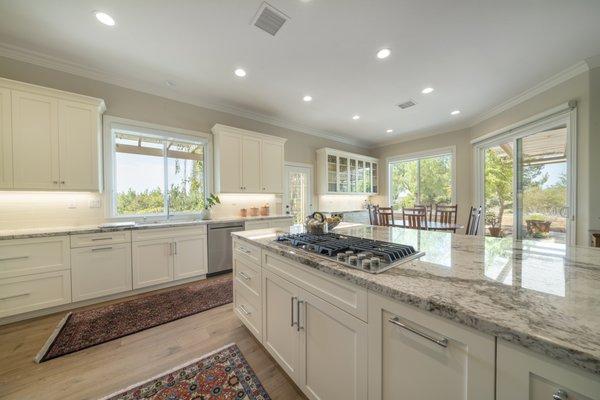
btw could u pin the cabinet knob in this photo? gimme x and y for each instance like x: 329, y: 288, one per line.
x: 560, y: 395
x: 62, y: 182
x: 55, y: 182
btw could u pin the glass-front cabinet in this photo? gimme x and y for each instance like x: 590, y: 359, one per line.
x: 346, y: 173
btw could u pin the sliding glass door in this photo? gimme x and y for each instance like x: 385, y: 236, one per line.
x: 526, y: 183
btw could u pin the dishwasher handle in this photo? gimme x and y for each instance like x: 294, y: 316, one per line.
x: 211, y: 228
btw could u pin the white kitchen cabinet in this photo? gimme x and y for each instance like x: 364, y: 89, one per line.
x: 525, y: 375
x: 20, y: 257
x: 190, y: 257
x: 100, y: 270
x: 79, y: 144
x: 251, y: 164
x: 415, y: 355
x: 6, y: 168
x: 53, y: 137
x: 152, y: 262
x: 271, y: 169
x: 280, y: 223
x: 246, y: 161
x: 35, y: 141
x: 340, y: 172
x: 280, y: 331
x: 268, y: 223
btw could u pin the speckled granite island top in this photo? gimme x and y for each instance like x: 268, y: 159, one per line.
x: 29, y: 233
x: 538, y: 295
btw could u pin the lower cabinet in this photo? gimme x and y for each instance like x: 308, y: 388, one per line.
x: 268, y: 223
x: 152, y: 262
x: 190, y: 257
x: 413, y: 355
x: 322, y: 348
x: 525, y: 375
x: 100, y: 271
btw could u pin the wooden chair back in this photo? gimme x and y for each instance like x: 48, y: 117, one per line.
x: 414, y: 218
x: 386, y: 216
x: 373, y: 214
x: 473, y: 222
x: 446, y: 214
x: 428, y: 210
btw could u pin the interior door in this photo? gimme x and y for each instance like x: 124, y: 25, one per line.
x: 35, y: 141
x: 6, y: 171
x: 251, y: 164
x: 190, y: 258
x: 271, y: 171
x: 280, y: 334
x: 78, y: 141
x: 334, y: 349
x: 297, y: 198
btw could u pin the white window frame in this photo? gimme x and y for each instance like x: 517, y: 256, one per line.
x: 110, y: 124
x: 564, y: 114
x: 442, y: 151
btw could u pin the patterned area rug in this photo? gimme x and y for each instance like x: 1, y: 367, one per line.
x: 223, y: 374
x: 86, y: 328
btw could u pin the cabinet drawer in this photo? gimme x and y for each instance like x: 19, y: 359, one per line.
x: 34, y: 292
x: 33, y: 256
x: 281, y: 223
x: 100, y: 239
x: 162, y: 233
x: 100, y: 271
x: 348, y: 297
x: 247, y: 275
x: 251, y: 225
x: 248, y: 308
x: 247, y: 250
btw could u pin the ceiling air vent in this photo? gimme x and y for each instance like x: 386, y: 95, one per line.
x: 269, y: 19
x: 407, y: 104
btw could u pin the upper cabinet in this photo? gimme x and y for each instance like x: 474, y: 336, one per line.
x: 49, y: 139
x: 339, y: 172
x: 247, y: 162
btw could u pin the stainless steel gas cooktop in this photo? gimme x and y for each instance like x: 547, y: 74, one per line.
x: 367, y: 255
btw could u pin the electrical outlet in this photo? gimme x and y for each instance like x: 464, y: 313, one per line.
x: 95, y: 203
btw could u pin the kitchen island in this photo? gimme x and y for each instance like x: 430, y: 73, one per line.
x: 482, y: 317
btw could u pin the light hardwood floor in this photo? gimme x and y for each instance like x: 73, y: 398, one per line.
x: 106, y: 368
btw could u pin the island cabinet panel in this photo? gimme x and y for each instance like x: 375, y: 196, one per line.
x: 416, y: 355
x: 525, y: 375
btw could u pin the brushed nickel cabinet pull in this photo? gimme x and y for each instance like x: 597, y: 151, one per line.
x: 292, y: 311
x: 243, y: 275
x: 440, y: 342
x: 14, y: 258
x: 298, y: 327
x: 102, y: 238
x: 14, y: 296
x: 244, y: 310
x: 102, y: 248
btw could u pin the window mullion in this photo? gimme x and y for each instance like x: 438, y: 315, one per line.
x: 166, y: 179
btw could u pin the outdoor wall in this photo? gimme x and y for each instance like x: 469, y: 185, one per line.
x: 127, y: 103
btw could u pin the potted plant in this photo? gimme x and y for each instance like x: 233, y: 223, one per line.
x: 493, y: 224
x: 210, y: 201
x: 538, y: 226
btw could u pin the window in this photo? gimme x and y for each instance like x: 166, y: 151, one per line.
x: 425, y: 179
x: 156, y: 172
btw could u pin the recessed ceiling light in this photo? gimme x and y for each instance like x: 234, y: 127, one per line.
x: 390, y: 131
x: 427, y: 90
x: 307, y: 98
x: 455, y: 112
x: 355, y: 117
x: 240, y: 72
x: 104, y: 18
x: 384, y: 53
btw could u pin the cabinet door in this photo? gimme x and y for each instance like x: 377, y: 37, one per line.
x: 78, y: 136
x: 35, y: 141
x: 334, y: 351
x: 190, y: 257
x: 230, y: 163
x: 280, y: 334
x: 405, y: 361
x: 281, y: 223
x: 152, y: 262
x: 332, y: 173
x: 100, y: 271
x: 272, y: 167
x: 375, y: 187
x: 251, y: 165
x: 6, y: 171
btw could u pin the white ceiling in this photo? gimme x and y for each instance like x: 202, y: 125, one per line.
x: 475, y: 53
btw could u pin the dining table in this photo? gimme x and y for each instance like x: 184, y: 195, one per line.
x: 434, y: 226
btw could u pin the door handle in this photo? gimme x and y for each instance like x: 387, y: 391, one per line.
x: 292, y: 310
x: 298, y: 327
x: 14, y: 258
x: 243, y: 275
x: 440, y: 342
x: 244, y: 310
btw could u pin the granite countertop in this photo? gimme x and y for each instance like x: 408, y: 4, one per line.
x: 542, y: 296
x: 74, y: 230
x: 345, y: 211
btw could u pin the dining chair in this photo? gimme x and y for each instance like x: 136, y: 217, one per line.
x: 446, y: 214
x: 373, y: 214
x: 428, y: 210
x: 473, y: 222
x: 386, y: 216
x: 414, y: 218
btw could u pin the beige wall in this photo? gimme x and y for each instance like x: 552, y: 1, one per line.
x: 126, y: 103
x: 588, y: 192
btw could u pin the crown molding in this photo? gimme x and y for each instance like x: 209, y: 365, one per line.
x: 541, y: 87
x: 59, y: 64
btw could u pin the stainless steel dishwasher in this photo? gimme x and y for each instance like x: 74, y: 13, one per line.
x: 219, y: 246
